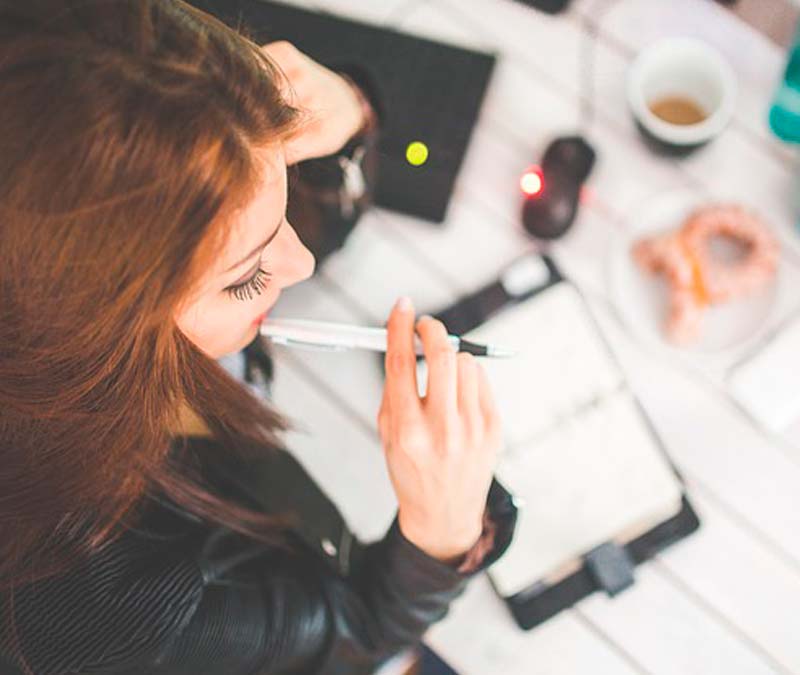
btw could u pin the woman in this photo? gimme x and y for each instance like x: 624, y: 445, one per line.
x: 152, y: 522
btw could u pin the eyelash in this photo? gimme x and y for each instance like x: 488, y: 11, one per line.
x: 255, y: 284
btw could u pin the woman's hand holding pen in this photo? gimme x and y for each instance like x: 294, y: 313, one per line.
x: 336, y: 113
x: 441, y: 449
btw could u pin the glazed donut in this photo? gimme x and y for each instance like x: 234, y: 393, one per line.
x: 685, y: 317
x: 664, y: 255
x: 725, y: 281
x: 696, y: 278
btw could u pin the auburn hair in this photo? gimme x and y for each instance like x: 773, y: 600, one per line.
x: 127, y: 138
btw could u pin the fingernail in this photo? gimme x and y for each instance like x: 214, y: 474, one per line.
x: 404, y: 304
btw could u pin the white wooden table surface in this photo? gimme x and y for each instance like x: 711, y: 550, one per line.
x: 727, y: 599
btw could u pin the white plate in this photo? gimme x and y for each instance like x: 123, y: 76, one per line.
x: 642, y: 299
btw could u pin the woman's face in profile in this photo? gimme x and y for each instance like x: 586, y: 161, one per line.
x: 223, y: 314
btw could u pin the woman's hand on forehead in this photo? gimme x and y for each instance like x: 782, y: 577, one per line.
x: 335, y: 111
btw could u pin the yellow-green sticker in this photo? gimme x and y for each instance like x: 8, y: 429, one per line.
x: 417, y: 153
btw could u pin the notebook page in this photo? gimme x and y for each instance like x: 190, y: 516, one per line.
x: 585, y: 483
x: 578, y: 449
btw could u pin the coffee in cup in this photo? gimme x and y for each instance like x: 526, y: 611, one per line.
x: 681, y: 93
x: 678, y: 110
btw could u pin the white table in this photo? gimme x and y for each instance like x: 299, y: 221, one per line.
x: 725, y: 600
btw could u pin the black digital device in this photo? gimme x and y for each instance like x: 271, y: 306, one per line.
x: 536, y: 272
x: 429, y: 92
x: 566, y: 164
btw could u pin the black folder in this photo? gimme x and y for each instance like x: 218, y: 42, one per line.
x: 427, y: 92
x: 608, y: 565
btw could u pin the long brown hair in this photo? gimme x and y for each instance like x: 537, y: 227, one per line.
x: 127, y: 131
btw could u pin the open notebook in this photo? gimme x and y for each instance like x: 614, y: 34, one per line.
x: 578, y: 449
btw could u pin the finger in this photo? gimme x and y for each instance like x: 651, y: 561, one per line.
x: 295, y: 65
x: 286, y: 58
x: 382, y: 419
x: 469, y: 391
x: 297, y: 148
x: 385, y: 410
x: 488, y: 405
x: 283, y: 52
x: 400, y: 361
x: 440, y: 355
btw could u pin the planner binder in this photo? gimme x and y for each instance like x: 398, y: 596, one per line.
x: 597, y: 492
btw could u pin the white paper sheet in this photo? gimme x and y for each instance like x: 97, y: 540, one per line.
x: 579, y: 451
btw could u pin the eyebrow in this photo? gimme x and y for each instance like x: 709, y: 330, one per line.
x: 258, y: 248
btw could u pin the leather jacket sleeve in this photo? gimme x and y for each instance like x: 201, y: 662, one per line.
x: 288, y: 612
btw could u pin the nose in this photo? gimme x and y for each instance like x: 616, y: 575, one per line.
x: 297, y: 263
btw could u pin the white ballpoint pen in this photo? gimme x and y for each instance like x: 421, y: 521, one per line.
x: 330, y: 336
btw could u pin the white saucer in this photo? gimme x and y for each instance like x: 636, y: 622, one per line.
x: 642, y: 299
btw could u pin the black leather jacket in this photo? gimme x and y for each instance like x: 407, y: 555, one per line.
x: 181, y: 596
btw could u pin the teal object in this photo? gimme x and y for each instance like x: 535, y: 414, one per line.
x: 784, y: 115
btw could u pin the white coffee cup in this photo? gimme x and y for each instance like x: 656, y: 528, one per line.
x: 685, y: 68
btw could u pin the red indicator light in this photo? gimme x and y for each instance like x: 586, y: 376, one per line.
x: 532, y: 182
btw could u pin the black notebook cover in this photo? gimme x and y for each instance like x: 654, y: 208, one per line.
x: 429, y: 92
